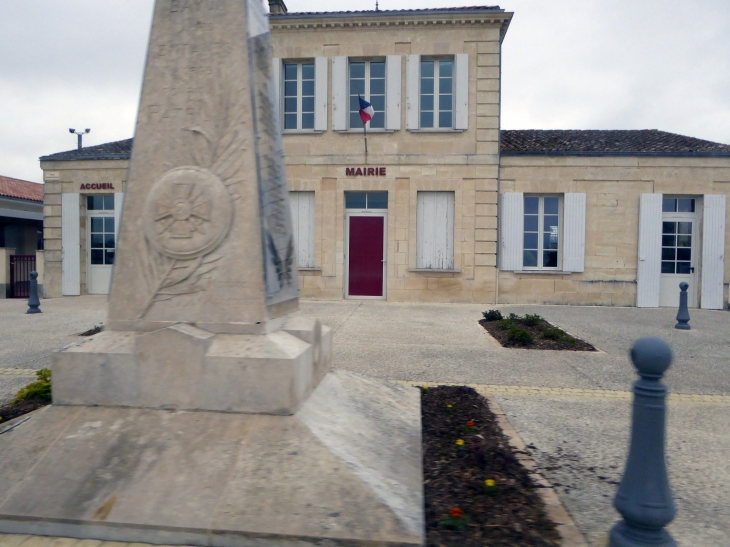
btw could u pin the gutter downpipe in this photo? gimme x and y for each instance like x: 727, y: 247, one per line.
x: 497, y: 256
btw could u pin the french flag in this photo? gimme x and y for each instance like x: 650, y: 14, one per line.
x: 366, y: 110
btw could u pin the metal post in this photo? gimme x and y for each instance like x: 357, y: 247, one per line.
x: 33, y: 301
x: 644, y: 497
x: 683, y: 313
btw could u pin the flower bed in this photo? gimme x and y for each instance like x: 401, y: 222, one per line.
x: 530, y: 331
x: 477, y: 493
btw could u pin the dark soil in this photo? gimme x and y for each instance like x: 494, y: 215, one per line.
x: 13, y: 410
x: 513, y: 515
x: 96, y: 329
x: 500, y: 335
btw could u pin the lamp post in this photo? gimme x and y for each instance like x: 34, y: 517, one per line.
x: 80, y: 134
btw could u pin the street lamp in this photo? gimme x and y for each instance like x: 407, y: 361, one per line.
x: 80, y: 134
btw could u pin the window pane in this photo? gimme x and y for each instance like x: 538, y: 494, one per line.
x: 307, y: 121
x: 290, y: 72
x: 669, y: 205
x: 355, y: 121
x: 307, y: 104
x: 550, y: 241
x: 357, y: 70
x: 97, y: 241
x: 669, y: 254
x: 377, y: 70
x: 377, y: 200
x: 445, y: 119
x: 355, y: 200
x: 109, y: 202
x: 377, y: 87
x: 290, y: 89
x: 531, y: 223
x: 684, y: 267
x: 446, y: 68
x: 378, y: 103
x: 109, y: 256
x: 378, y: 121
x: 550, y: 259
x: 290, y: 105
x: 90, y: 203
x: 427, y: 85
x: 354, y: 103
x: 686, y: 205
x: 529, y: 259
x: 109, y: 241
x: 550, y: 223
x: 426, y: 69
x: 669, y: 241
x: 551, y: 206
x: 426, y: 119
x: 669, y: 227
x: 357, y: 87
x: 532, y: 205
x: 530, y: 240
x: 290, y: 121
x: 445, y: 85
x: 308, y: 88
x: 426, y: 102
x: 97, y: 224
x: 308, y: 71
x: 97, y: 256
x: 97, y: 203
x: 668, y: 267
x: 109, y: 224
x: 684, y: 241
x: 684, y: 227
x: 445, y: 102
x: 684, y: 253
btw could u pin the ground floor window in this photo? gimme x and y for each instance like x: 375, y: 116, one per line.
x: 366, y: 200
x: 541, y: 237
x: 435, y: 230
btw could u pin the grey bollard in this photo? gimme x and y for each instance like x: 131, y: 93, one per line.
x: 683, y: 313
x: 644, y: 497
x: 33, y: 301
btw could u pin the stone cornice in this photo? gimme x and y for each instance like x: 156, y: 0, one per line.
x: 292, y: 22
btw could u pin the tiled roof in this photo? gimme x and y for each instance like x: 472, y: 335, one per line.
x: 117, y: 150
x: 639, y: 142
x: 20, y: 189
x: 386, y: 12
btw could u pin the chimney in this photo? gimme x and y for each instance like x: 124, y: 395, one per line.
x: 277, y: 6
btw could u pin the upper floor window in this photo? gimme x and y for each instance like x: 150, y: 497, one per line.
x: 367, y: 79
x: 299, y: 95
x: 437, y: 94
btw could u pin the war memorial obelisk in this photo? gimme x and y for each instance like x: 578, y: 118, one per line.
x: 206, y: 412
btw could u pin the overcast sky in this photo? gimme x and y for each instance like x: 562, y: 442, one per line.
x: 568, y: 64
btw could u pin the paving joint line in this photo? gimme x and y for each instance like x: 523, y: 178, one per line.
x: 29, y: 372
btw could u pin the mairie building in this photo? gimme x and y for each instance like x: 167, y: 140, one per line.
x: 444, y: 206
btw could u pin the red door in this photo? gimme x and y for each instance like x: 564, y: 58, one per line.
x: 365, y: 270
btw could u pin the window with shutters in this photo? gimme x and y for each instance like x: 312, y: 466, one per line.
x: 542, y: 228
x: 302, y: 213
x: 435, y: 231
x: 437, y: 94
x: 298, y: 95
x: 367, y: 80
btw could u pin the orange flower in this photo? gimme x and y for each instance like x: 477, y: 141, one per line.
x: 470, y: 423
x: 456, y: 512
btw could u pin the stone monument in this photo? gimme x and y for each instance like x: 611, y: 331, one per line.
x: 206, y: 413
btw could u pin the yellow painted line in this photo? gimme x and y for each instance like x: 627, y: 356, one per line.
x: 572, y: 393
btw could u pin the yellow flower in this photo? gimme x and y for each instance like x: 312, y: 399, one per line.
x: 460, y: 442
x: 424, y: 388
x: 489, y: 483
x: 449, y: 406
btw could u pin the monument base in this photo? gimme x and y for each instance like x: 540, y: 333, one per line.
x: 183, y: 367
x: 344, y: 470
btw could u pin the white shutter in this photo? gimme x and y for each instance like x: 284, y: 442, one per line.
x: 392, y: 92
x: 302, y: 212
x: 413, y: 71
x: 512, y: 228
x: 276, y: 91
x: 435, y: 225
x: 320, y: 93
x: 461, y: 91
x: 339, y: 93
x: 713, y: 252
x: 648, y: 271
x: 118, y: 206
x: 70, y: 245
x: 574, y: 232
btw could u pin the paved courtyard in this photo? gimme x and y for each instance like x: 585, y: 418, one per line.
x: 571, y: 408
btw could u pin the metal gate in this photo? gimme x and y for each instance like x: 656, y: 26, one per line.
x: 20, y: 268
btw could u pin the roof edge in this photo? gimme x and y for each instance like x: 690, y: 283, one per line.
x: 608, y: 153
x: 381, y: 13
x: 124, y: 156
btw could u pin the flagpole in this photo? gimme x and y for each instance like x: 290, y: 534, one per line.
x: 365, y: 131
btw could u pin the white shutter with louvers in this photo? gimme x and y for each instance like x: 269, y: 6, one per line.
x: 435, y: 225
x: 320, y: 93
x: 648, y: 270
x: 713, y: 252
x: 339, y: 93
x: 392, y: 92
x: 70, y: 244
x: 276, y: 70
x: 413, y: 71
x: 118, y: 206
x: 302, y: 212
x: 511, y: 226
x: 461, y: 91
x: 574, y: 232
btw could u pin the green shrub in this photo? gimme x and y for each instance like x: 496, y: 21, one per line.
x: 553, y: 333
x: 514, y: 317
x: 505, y: 324
x: 492, y: 315
x: 39, y: 390
x: 520, y: 336
x: 532, y: 320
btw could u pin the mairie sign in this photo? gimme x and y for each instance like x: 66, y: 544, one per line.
x: 365, y: 171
